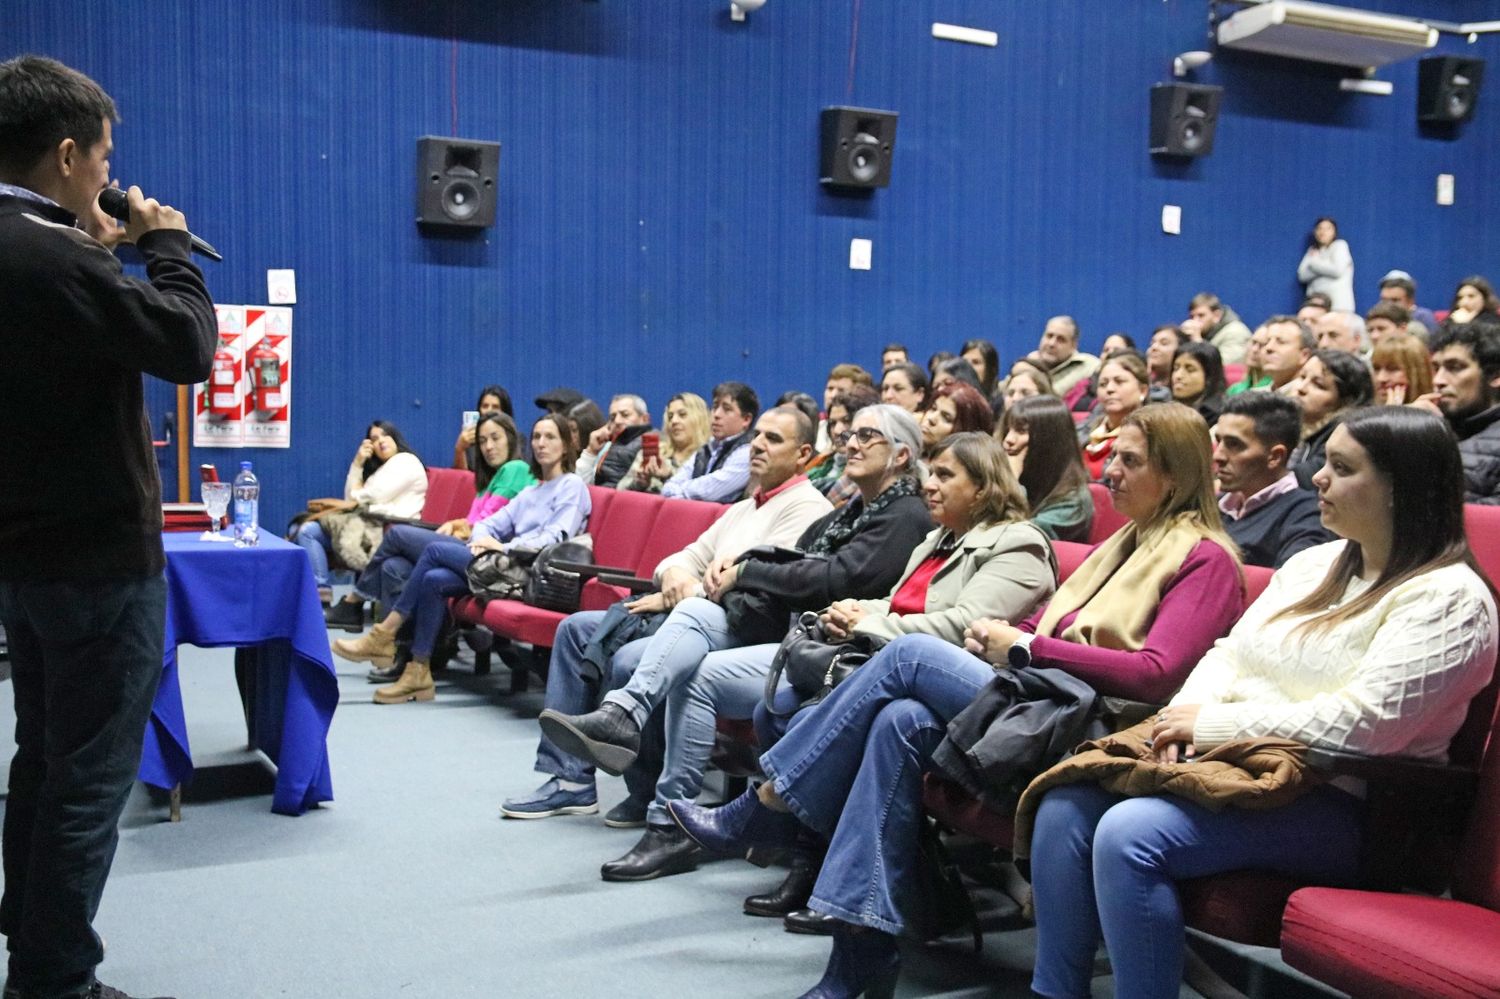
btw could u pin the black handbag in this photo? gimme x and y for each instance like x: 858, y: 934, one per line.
x: 553, y: 588
x: 813, y: 664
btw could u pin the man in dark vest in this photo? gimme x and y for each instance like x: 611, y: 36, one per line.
x: 1265, y: 512
x: 720, y: 470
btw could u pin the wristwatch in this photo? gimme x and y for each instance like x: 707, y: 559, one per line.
x: 1020, y: 651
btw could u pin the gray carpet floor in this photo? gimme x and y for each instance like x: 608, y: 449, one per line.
x: 409, y: 884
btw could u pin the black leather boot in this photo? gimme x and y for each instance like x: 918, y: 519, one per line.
x: 607, y: 737
x: 792, y: 894
x: 661, y: 852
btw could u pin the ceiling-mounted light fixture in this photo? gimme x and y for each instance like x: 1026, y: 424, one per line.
x: 1189, y: 61
x: 739, y: 8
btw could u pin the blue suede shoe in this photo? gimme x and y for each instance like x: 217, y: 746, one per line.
x: 550, y: 799
x: 736, y: 827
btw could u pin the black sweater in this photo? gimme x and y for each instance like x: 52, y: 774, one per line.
x: 79, y: 494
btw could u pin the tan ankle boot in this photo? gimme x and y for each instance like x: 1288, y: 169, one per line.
x: 415, y: 685
x: 376, y: 646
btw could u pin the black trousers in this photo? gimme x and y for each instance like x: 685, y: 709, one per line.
x: 86, y: 657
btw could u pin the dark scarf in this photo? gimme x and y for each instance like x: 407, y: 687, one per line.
x: 853, y: 516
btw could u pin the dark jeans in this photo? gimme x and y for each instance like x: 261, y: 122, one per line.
x: 85, y: 658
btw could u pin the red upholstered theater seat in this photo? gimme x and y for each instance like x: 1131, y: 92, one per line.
x: 1482, y: 525
x: 450, y: 493
x: 1107, y: 520
x: 1234, y: 374
x: 1375, y: 944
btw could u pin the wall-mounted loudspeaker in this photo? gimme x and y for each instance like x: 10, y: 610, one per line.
x: 1448, y: 88
x: 856, y: 147
x: 457, y: 181
x: 1183, y: 118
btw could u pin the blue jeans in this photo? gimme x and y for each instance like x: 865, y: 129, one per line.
x: 851, y: 768
x: 729, y: 683
x: 392, y: 564
x: 572, y: 692
x: 695, y: 628
x: 438, y: 575
x: 318, y: 545
x: 1134, y: 849
x: 86, y: 658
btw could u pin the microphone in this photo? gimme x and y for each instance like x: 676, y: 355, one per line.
x: 117, y: 206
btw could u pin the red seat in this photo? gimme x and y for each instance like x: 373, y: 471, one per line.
x: 450, y: 494
x: 1233, y: 374
x: 1107, y: 520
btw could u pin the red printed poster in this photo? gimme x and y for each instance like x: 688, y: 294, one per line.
x: 247, y: 400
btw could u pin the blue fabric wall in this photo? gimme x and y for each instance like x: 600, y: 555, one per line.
x: 660, y: 222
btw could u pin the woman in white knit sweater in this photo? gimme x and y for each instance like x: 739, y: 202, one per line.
x: 1374, y: 644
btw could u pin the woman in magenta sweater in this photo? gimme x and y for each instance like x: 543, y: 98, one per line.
x: 852, y: 767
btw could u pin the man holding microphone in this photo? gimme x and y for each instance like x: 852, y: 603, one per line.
x: 82, y: 593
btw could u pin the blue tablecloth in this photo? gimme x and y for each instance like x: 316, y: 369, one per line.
x: 263, y: 597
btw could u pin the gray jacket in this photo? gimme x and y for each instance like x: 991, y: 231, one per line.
x: 1002, y: 570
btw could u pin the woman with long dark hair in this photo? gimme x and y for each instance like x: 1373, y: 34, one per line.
x: 1327, y: 266
x: 955, y: 408
x: 386, y: 478
x: 985, y: 359
x: 1198, y: 379
x: 1330, y: 384
x: 1037, y: 434
x: 1374, y: 644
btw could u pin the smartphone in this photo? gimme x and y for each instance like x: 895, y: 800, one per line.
x: 650, y: 445
x: 471, y: 418
x: 208, y: 473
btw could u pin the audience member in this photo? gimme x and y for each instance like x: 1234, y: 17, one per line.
x: 1198, y: 379
x: 827, y: 469
x: 1289, y: 343
x: 553, y: 510
x: 1386, y: 320
x: 841, y: 378
x: 584, y: 417
x: 1159, y: 353
x: 1314, y: 305
x: 1116, y: 342
x: 592, y: 646
x: 1123, y: 386
x: 686, y: 425
x: 1265, y: 512
x: 985, y: 360
x: 611, y: 449
x: 1374, y: 645
x: 1327, y: 266
x: 956, y: 408
x: 1401, y: 368
x: 802, y: 401
x: 1058, y: 352
x: 720, y: 470
x: 1026, y: 379
x: 956, y: 370
x: 857, y: 552
x: 1211, y: 320
x: 1254, y: 378
x: 1342, y: 331
x: 905, y: 385
x: 1037, y: 435
x: 894, y: 353
x: 1466, y: 392
x: 937, y: 360
x: 852, y: 770
x: 492, y: 399
x: 500, y: 473
x: 1474, y: 301
x: 386, y: 479
x: 1330, y: 384
x: 1397, y: 288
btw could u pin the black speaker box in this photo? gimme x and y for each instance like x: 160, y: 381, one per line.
x: 1448, y: 88
x: 457, y: 181
x: 1183, y: 118
x: 856, y: 147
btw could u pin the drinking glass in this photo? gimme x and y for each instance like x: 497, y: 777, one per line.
x: 216, y: 499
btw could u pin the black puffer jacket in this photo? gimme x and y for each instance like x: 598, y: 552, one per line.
x: 1479, y: 446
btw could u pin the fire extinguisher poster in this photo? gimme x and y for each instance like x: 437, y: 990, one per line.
x: 247, y: 400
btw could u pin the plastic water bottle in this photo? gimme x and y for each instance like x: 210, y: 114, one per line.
x: 246, y: 506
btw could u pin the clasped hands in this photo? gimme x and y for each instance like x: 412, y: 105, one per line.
x: 676, y: 586
x: 1172, y: 733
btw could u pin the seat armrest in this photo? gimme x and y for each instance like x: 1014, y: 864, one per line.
x: 588, y: 570
x: 635, y: 584
x: 1427, y: 778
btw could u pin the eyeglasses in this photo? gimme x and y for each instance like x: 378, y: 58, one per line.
x: 865, y: 435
